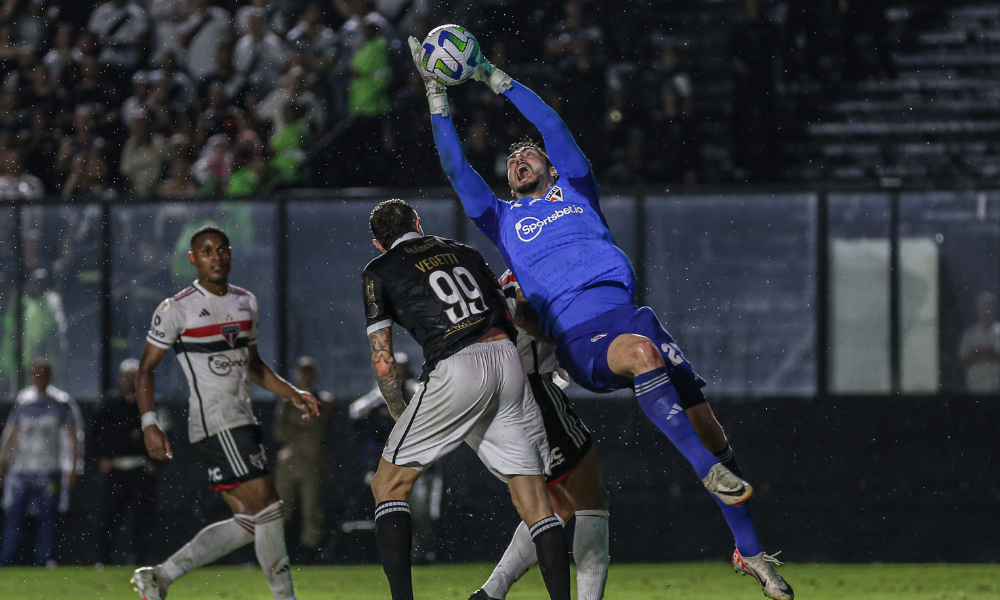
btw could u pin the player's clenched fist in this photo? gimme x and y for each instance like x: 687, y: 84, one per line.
x: 157, y: 443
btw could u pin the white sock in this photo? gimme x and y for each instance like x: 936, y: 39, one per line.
x: 515, y: 562
x: 211, y: 544
x: 590, y: 550
x: 269, y: 535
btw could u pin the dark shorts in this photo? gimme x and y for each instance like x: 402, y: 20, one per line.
x: 569, y: 439
x: 233, y: 456
x: 583, y: 352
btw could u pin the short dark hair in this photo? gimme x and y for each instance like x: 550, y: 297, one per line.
x: 208, y: 229
x: 392, y: 219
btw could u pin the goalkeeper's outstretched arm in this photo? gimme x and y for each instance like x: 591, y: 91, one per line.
x: 565, y: 155
x: 478, y: 199
x: 480, y: 203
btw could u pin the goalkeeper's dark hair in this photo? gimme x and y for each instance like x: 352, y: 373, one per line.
x: 392, y: 219
x: 527, y: 142
x: 204, y: 229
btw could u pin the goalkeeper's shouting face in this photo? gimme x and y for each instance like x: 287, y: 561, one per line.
x: 529, y: 172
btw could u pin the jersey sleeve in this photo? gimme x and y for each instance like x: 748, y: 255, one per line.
x: 168, y: 323
x: 565, y: 155
x: 378, y: 310
x: 480, y: 203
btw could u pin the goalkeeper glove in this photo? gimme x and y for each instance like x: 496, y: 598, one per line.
x: 497, y: 80
x: 436, y: 96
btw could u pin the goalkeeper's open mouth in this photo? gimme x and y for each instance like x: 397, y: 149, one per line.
x: 522, y: 173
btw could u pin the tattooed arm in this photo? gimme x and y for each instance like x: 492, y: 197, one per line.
x: 386, y: 372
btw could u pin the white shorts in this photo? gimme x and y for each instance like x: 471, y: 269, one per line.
x: 479, y: 396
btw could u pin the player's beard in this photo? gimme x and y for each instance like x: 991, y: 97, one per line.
x: 528, y: 186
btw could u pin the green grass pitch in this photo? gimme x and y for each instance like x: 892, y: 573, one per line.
x: 626, y: 582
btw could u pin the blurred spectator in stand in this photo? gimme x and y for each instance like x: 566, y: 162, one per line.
x: 41, y: 457
x: 674, y: 149
x: 219, y: 116
x: 411, y: 135
x: 42, y: 316
x: 368, y: 102
x: 88, y: 178
x: 293, y: 87
x: 136, y: 103
x: 301, y: 465
x: 40, y: 147
x: 44, y: 91
x: 83, y: 138
x: 16, y: 183
x: 179, y: 181
x: 222, y: 73
x: 979, y: 349
x: 12, y: 117
x: 479, y: 147
x: 180, y: 87
x: 168, y: 18
x: 61, y: 54
x: 316, y: 41
x: 129, y: 473
x: 9, y: 49
x: 582, y: 89
x: 248, y: 172
x: 143, y: 158
x: 259, y: 57
x: 751, y: 49
x: 565, y: 36
x: 202, y: 35
x: 213, y: 166
x: 31, y: 22
x: 159, y: 109
x: 89, y: 86
x: 288, y: 146
x: 121, y: 28
x: 630, y: 165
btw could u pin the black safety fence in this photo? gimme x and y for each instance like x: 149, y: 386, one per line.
x: 790, y: 293
x: 850, y: 341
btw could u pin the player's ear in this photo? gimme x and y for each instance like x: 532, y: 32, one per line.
x: 379, y: 246
x: 416, y: 225
x: 553, y: 172
x: 191, y: 258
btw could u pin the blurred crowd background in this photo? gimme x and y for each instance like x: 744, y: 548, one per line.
x: 156, y: 98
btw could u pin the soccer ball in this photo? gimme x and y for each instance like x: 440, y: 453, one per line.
x: 450, y: 54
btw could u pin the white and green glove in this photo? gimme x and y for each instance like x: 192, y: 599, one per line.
x: 437, y: 98
x: 498, y: 81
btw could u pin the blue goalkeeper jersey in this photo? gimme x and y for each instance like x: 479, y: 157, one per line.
x: 558, y: 245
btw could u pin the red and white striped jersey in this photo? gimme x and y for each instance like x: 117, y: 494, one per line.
x: 211, y: 335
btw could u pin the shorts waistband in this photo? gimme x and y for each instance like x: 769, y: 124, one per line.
x: 484, y: 347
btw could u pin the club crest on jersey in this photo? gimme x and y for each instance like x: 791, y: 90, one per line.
x: 231, y: 332
x: 258, y: 459
x: 554, y: 195
x: 598, y: 336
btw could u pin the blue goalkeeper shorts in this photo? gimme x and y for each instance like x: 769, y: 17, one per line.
x: 583, y: 352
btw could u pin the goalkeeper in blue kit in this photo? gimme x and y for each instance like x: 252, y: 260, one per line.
x: 553, y: 236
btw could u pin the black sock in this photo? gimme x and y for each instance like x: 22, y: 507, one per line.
x: 553, y: 556
x: 728, y: 459
x: 393, y: 535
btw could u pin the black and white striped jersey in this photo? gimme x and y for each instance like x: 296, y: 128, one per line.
x: 211, y: 336
x: 537, y: 356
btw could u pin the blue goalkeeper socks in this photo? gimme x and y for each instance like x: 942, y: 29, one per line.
x: 738, y: 517
x: 659, y: 400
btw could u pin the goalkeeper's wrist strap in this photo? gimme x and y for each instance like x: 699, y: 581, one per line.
x: 149, y: 418
x: 499, y: 81
x: 438, y: 102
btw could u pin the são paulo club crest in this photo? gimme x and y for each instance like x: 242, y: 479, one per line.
x: 231, y: 332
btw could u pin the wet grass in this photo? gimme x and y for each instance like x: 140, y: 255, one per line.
x: 626, y: 582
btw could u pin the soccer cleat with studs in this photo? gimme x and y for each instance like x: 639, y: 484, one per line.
x: 762, y: 568
x: 145, y: 582
x: 480, y: 594
x: 726, y: 486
